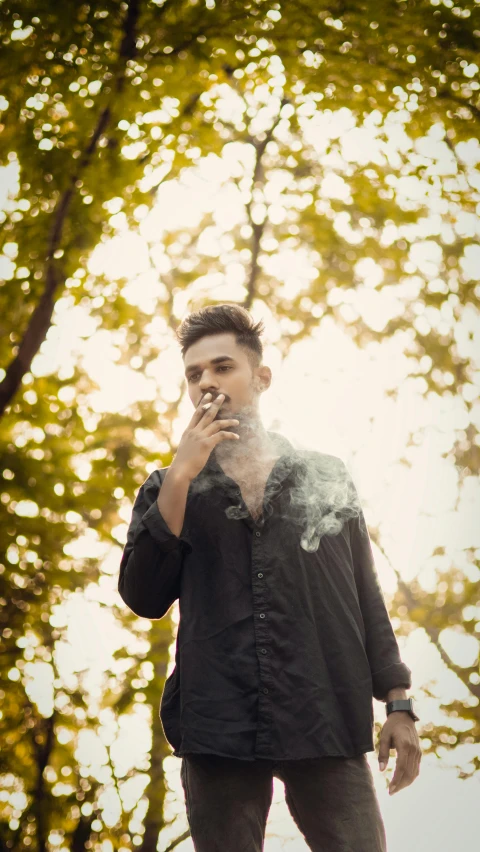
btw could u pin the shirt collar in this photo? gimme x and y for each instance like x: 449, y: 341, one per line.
x: 289, y: 456
x: 221, y: 487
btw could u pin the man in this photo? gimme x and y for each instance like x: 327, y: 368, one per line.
x: 283, y: 637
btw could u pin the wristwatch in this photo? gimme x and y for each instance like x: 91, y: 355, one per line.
x: 405, y: 704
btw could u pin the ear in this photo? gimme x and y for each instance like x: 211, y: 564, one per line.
x: 263, y: 378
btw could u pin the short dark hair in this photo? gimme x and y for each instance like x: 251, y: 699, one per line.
x: 221, y: 319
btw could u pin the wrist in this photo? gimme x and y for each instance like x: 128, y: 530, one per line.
x: 398, y: 692
x: 179, y: 474
x: 402, y: 705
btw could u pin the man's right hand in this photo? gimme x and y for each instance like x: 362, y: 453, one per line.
x: 202, y: 434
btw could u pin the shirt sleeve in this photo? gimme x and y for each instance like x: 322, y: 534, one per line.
x: 388, y: 670
x: 151, y: 564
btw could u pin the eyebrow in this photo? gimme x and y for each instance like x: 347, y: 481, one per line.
x: 216, y: 360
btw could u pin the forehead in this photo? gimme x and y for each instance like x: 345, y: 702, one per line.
x: 212, y: 346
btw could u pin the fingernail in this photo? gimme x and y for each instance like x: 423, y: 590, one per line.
x: 391, y: 789
x: 207, y: 396
x: 382, y: 766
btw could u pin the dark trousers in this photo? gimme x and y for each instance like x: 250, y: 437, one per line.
x: 331, y: 799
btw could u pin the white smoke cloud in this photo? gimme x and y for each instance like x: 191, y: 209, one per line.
x: 319, y: 490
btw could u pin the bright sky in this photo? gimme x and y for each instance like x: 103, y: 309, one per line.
x: 326, y: 395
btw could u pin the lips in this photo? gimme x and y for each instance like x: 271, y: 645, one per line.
x: 214, y: 400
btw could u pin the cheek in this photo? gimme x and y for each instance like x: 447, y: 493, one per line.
x: 239, y: 388
x: 241, y: 391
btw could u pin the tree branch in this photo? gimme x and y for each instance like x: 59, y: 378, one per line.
x: 433, y: 633
x: 258, y: 229
x: 43, y: 751
x: 177, y: 841
x: 42, y: 315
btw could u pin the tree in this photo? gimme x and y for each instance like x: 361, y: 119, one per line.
x: 334, y: 127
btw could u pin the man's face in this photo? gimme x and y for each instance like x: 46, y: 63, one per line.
x: 233, y: 375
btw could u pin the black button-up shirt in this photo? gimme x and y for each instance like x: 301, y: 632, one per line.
x: 283, y: 636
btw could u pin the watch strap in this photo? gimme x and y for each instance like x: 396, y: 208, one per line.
x: 405, y: 704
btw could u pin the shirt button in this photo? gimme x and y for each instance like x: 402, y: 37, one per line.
x: 260, y: 575
x: 263, y: 650
x: 257, y: 534
x: 262, y: 615
x: 265, y: 690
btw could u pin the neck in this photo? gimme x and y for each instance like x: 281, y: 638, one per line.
x: 254, y: 444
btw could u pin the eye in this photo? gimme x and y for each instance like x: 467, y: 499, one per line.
x: 193, y: 376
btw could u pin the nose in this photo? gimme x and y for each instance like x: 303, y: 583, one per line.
x: 206, y: 386
x: 209, y: 389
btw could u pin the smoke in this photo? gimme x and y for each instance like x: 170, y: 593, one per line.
x: 322, y: 498
x: 318, y: 494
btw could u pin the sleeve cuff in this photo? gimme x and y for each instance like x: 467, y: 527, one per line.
x: 156, y: 525
x: 398, y: 674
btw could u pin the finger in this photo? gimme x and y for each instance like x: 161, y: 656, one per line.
x: 419, y: 760
x: 217, y: 425
x: 210, y: 409
x: 411, y: 769
x: 400, y: 769
x: 199, y: 411
x: 411, y: 761
x: 383, y: 752
x: 221, y: 436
